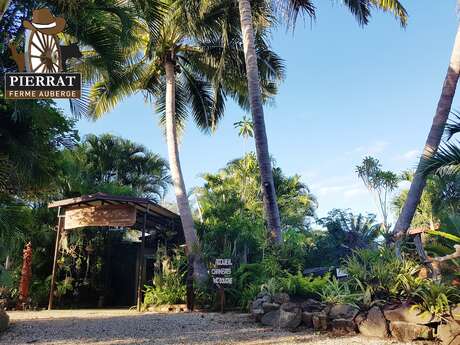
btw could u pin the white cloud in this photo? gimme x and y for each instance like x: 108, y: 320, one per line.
x: 355, y: 192
x: 374, y: 148
x: 409, y: 156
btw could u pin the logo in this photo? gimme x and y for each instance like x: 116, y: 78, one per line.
x: 43, y: 64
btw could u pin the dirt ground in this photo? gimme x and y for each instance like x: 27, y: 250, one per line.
x: 127, y: 327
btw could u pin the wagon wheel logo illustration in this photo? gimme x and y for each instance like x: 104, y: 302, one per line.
x: 42, y: 51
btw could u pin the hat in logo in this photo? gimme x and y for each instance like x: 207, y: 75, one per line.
x: 43, y: 21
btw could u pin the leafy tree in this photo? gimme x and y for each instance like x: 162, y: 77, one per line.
x: 31, y: 136
x: 245, y: 128
x: 348, y: 232
x: 231, y: 206
x: 189, y: 66
x: 379, y: 182
x: 289, y: 9
x: 112, y: 164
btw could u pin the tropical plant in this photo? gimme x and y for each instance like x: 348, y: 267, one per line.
x: 436, y: 298
x: 381, y: 183
x: 337, y: 292
x: 289, y: 9
x: 301, y: 286
x: 381, y: 274
x: 188, y: 67
x: 109, y: 163
x: 230, y: 204
x: 245, y: 128
x: 169, y: 283
x: 347, y: 232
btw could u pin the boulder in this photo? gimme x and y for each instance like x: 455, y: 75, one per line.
x: 256, y: 309
x: 307, y: 319
x: 272, y: 318
x: 343, y: 311
x: 406, y: 331
x: 290, y: 315
x: 342, y: 327
x: 312, y: 305
x: 281, y: 298
x: 372, y: 325
x: 270, y: 307
x: 408, y: 314
x: 449, y: 333
x: 4, y: 320
x: 264, y: 296
x: 319, y: 321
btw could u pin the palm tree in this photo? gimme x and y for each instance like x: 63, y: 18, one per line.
x: 245, y: 128
x: 189, y: 66
x: 289, y: 8
x: 432, y: 142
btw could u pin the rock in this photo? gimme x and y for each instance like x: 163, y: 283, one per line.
x: 270, y: 307
x: 372, y: 325
x: 343, y: 311
x: 4, y: 320
x: 406, y: 331
x: 307, y: 319
x: 256, y: 309
x: 319, y: 321
x: 272, y: 318
x: 342, y: 326
x: 281, y: 298
x: 408, y: 314
x: 290, y: 315
x: 312, y: 305
x: 449, y: 333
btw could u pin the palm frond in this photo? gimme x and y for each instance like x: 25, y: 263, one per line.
x: 445, y: 162
x: 452, y: 127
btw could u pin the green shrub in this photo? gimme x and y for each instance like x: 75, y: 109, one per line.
x: 248, y: 295
x: 168, y: 284
x: 381, y: 274
x: 336, y: 292
x: 436, y: 298
x: 301, y: 286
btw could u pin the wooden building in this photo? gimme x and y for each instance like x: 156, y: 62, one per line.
x: 156, y: 225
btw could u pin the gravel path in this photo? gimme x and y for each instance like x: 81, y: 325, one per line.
x: 125, y: 327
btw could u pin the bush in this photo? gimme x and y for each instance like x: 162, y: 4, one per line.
x: 298, y: 285
x: 168, y: 285
x: 436, y: 298
x: 336, y: 292
x: 381, y: 274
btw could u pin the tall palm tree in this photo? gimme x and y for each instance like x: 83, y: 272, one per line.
x: 432, y: 142
x: 361, y: 9
x: 188, y: 67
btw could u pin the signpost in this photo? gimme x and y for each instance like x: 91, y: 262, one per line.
x: 222, y: 276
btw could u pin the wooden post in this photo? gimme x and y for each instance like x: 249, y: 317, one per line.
x: 61, y: 221
x: 141, y: 265
x: 222, y: 298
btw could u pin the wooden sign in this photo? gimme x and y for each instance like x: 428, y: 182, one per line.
x: 100, y: 215
x: 222, y: 272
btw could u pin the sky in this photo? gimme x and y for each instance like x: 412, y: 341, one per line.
x: 349, y: 92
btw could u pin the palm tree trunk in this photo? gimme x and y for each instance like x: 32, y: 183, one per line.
x: 191, y: 238
x: 3, y: 7
x: 257, y: 111
x: 432, y: 142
